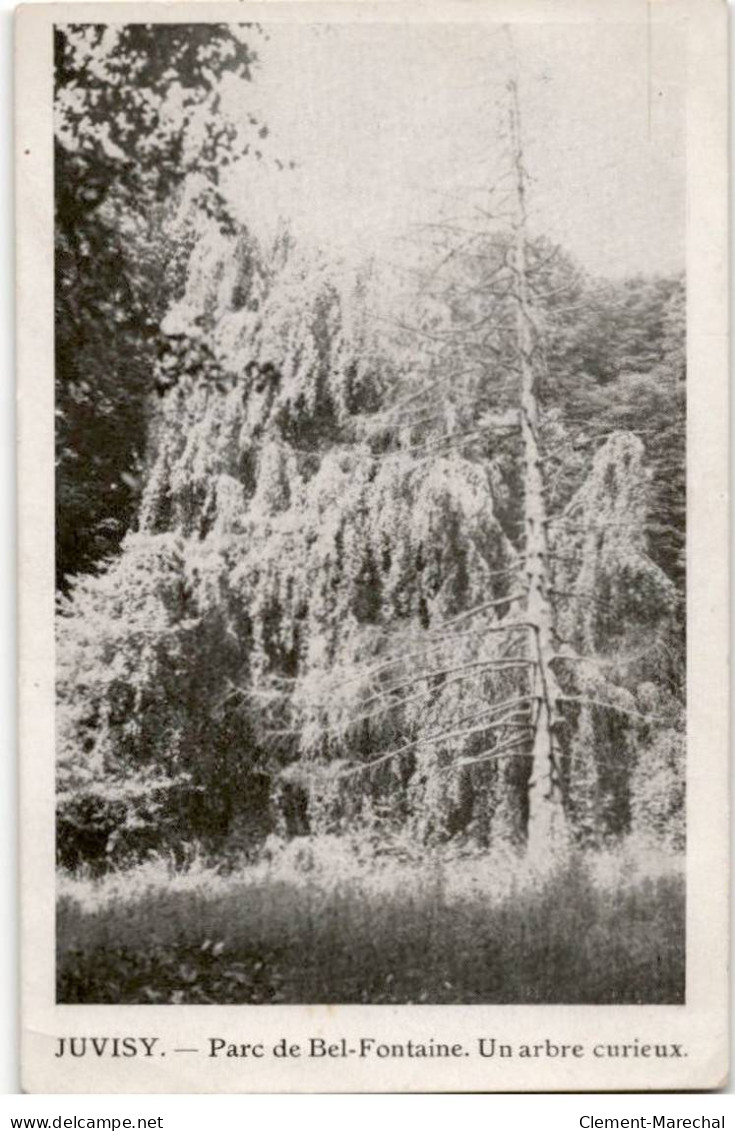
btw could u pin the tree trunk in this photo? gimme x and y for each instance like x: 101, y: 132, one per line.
x: 545, y: 810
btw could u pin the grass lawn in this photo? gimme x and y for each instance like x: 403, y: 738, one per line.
x: 454, y: 932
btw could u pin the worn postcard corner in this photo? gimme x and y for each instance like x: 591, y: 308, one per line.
x: 373, y: 397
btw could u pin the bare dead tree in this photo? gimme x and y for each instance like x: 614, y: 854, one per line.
x: 527, y: 719
x: 545, y: 811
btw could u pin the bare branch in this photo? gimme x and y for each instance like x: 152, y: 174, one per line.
x: 401, y: 404
x: 482, y: 608
x: 367, y: 716
x: 402, y: 657
x: 473, y: 664
x: 448, y: 439
x: 580, y: 595
x: 604, y: 661
x: 612, y: 707
x: 493, y: 754
x: 571, y: 525
x: 435, y: 736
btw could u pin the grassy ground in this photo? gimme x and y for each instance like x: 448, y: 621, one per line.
x: 465, y: 931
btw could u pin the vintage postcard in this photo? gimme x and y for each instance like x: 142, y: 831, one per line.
x: 373, y: 367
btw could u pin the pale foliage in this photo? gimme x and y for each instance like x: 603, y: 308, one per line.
x: 313, y: 624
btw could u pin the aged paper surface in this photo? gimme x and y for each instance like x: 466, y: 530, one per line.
x: 373, y: 455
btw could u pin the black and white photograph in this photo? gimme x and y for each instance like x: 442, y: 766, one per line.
x: 370, y: 516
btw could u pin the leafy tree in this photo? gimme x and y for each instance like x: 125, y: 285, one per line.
x: 321, y: 623
x: 391, y: 570
x: 140, y: 141
x: 192, y: 607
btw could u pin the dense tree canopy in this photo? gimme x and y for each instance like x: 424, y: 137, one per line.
x: 334, y: 549
x: 309, y: 629
x: 140, y: 143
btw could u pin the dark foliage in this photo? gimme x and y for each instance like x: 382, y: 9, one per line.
x: 120, y: 163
